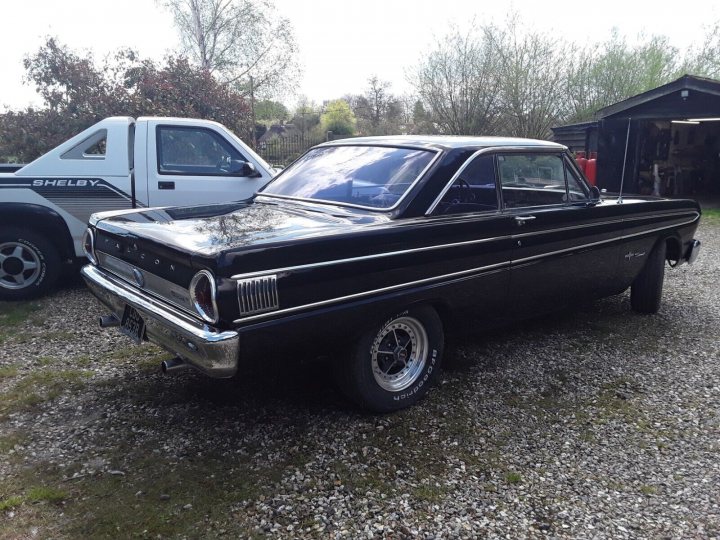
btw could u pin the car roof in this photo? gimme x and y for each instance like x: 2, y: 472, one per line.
x: 445, y: 141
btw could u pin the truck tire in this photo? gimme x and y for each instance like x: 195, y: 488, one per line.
x: 394, y: 364
x: 646, y: 290
x: 29, y: 264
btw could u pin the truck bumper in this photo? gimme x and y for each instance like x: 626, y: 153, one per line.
x: 211, y: 351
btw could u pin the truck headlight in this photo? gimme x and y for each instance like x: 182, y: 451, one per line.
x: 202, y: 294
x: 89, y: 245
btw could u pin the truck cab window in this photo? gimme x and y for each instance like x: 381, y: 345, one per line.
x: 195, y: 151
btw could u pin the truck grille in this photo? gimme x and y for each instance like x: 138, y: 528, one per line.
x: 257, y: 295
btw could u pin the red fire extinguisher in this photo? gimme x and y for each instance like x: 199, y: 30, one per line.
x: 591, y: 169
x: 581, y: 160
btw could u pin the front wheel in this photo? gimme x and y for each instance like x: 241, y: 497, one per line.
x: 394, y: 365
x: 29, y: 264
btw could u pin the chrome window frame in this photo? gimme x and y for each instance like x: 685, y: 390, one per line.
x: 438, y: 154
x: 560, y: 151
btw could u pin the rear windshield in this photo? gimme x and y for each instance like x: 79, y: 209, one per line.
x: 371, y: 176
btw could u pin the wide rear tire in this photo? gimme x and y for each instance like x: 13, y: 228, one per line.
x: 394, y: 364
x: 646, y: 290
x: 29, y: 264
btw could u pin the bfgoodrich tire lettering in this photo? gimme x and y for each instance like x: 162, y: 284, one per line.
x: 394, y: 364
x: 29, y: 264
x: 646, y: 290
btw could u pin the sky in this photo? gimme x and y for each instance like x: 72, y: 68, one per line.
x: 341, y: 43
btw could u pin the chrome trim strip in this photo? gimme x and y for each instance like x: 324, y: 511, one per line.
x: 508, y: 149
x: 591, y: 244
x: 452, y: 275
x: 438, y: 154
x: 154, y: 284
x: 322, y: 264
x: 364, y: 258
x: 600, y: 223
x: 374, y: 291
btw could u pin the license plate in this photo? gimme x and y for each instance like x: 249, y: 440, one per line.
x: 132, y: 324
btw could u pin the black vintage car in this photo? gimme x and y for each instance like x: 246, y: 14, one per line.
x: 366, y: 248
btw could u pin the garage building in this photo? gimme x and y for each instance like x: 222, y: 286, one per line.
x: 667, y: 139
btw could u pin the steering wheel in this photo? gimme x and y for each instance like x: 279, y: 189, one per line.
x: 466, y: 193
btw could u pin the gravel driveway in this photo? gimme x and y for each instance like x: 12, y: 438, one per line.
x: 596, y: 423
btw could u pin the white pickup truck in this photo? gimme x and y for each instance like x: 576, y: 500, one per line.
x: 119, y: 163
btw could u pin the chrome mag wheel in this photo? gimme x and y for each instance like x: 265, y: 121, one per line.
x: 399, y: 353
x: 20, y: 265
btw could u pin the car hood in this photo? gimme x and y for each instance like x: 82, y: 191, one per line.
x: 213, y: 229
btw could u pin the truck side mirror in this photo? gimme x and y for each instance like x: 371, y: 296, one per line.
x: 239, y: 167
x: 594, y: 194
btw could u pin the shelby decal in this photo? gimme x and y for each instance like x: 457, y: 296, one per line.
x: 65, y: 182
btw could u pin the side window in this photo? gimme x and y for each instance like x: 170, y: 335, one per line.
x: 474, y: 190
x: 94, y: 147
x: 532, y: 180
x: 195, y: 151
x: 576, y: 188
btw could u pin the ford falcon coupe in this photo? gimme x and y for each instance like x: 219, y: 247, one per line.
x: 363, y: 250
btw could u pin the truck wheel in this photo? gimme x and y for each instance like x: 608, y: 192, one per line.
x: 394, y: 365
x: 646, y: 290
x: 29, y: 264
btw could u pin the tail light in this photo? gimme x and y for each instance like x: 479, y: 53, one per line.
x: 89, y: 245
x: 202, y: 294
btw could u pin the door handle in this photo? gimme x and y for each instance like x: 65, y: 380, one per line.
x: 166, y: 185
x: 521, y: 220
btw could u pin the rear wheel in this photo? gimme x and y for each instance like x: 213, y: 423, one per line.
x: 393, y: 365
x: 29, y: 264
x: 646, y: 290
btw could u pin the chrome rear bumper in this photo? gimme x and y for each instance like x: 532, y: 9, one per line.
x: 209, y: 350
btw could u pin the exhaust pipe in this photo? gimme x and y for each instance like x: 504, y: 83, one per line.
x: 108, y: 321
x: 173, y: 365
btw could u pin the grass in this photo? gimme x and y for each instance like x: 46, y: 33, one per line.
x: 46, y: 494
x: 648, y: 490
x: 13, y: 314
x: 513, y: 477
x: 711, y: 214
x: 40, y: 386
x: 10, y: 503
x: 7, y: 372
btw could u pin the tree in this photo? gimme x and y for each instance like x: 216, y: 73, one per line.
x: 77, y: 92
x: 378, y: 111
x: 338, y: 118
x: 459, y: 82
x: 239, y: 39
x: 306, y: 116
x: 271, y: 111
x: 532, y: 69
x: 603, y: 74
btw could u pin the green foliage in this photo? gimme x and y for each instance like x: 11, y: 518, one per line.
x: 306, y: 116
x: 10, y: 503
x: 48, y: 494
x: 338, y: 118
x: 270, y: 111
x: 511, y: 79
x: 77, y: 92
x: 601, y: 75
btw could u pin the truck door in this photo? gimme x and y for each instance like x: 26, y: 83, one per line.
x: 198, y: 164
